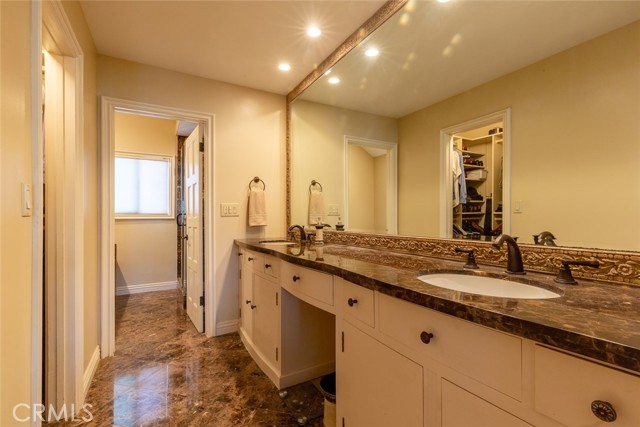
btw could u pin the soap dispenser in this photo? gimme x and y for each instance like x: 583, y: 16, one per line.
x: 319, y: 234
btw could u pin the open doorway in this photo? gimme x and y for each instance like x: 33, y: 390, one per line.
x: 370, y: 185
x: 475, y: 177
x: 113, y: 111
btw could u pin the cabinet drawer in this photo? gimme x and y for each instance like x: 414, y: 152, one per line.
x: 357, y: 303
x: 463, y: 409
x: 253, y: 260
x: 566, y: 386
x: 304, y: 282
x: 271, y: 266
x: 489, y: 356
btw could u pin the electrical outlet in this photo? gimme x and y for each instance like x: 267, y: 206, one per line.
x: 229, y: 209
x: 333, y: 210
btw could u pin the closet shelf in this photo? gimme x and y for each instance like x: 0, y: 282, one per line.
x: 472, y: 213
x: 473, y: 167
x: 472, y: 154
x: 475, y: 180
x: 474, y: 201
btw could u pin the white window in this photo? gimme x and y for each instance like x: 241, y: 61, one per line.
x: 143, y: 186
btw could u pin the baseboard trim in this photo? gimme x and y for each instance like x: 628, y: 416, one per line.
x: 227, y: 327
x: 91, y: 370
x: 146, y: 287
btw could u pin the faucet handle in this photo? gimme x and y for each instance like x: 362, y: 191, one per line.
x: 471, y: 258
x: 565, y: 276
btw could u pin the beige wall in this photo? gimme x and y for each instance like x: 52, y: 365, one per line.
x: 16, y: 231
x: 380, y: 184
x: 91, y: 254
x: 575, y: 150
x: 317, y: 151
x: 146, y: 248
x: 248, y: 142
x: 361, y: 191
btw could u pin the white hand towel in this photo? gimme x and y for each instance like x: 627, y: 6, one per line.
x: 316, y: 207
x: 257, y: 208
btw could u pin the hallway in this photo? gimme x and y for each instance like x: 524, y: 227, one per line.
x: 166, y: 374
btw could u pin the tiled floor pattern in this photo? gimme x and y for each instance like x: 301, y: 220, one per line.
x: 164, y: 373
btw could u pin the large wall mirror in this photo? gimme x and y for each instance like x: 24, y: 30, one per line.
x: 565, y: 75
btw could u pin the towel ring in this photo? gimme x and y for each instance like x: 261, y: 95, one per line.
x: 257, y: 180
x: 314, y: 182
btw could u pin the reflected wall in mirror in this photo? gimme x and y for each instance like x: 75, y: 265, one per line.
x: 568, y: 71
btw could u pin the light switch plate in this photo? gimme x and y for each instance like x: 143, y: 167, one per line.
x: 333, y: 210
x: 26, y: 199
x: 229, y: 209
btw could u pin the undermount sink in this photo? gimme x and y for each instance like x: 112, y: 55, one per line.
x: 488, y: 286
x: 276, y: 242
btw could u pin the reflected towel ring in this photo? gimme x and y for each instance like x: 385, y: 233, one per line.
x: 257, y: 180
x: 313, y: 183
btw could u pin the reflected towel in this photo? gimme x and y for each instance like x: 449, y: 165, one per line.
x: 316, y: 207
x: 257, y: 208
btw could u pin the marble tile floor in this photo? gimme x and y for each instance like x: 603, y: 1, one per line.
x: 165, y: 373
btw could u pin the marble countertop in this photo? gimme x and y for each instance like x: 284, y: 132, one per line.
x: 598, y: 320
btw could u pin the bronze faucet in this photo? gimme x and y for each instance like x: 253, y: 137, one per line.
x: 303, y: 236
x: 514, y: 257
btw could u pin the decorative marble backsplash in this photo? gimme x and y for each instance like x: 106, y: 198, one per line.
x: 615, y: 266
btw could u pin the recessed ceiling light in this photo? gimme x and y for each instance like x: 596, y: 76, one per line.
x: 313, y: 31
x: 334, y: 80
x: 443, y: 1
x: 284, y: 67
x: 372, y: 51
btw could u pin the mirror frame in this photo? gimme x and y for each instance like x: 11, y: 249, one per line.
x: 617, y: 266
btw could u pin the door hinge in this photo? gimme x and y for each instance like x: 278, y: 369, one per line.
x: 276, y: 354
x: 276, y: 299
x: 343, y: 342
x: 202, y: 300
x: 202, y: 147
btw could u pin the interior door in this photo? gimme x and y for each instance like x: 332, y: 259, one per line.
x: 194, y: 242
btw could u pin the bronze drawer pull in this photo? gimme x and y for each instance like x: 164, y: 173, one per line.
x: 267, y: 266
x: 249, y: 259
x: 352, y: 302
x: 604, y: 411
x: 296, y: 278
x: 425, y: 337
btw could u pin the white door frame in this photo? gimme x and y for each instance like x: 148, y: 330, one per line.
x: 446, y: 183
x: 109, y: 106
x: 68, y: 258
x: 392, y: 181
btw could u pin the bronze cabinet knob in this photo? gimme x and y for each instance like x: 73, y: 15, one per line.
x: 426, y: 337
x: 604, y: 411
x: 296, y: 278
x: 352, y: 302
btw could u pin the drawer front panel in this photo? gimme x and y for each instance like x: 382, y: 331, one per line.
x: 271, y: 266
x: 314, y: 284
x: 489, y: 356
x: 253, y: 261
x: 566, y: 386
x: 358, y: 303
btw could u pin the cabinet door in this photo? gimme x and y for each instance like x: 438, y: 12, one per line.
x: 377, y: 386
x: 463, y: 409
x: 246, y: 300
x: 266, y: 318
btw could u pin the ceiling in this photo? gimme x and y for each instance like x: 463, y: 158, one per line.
x: 238, y: 42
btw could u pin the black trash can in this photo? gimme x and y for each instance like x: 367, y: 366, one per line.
x: 328, y: 389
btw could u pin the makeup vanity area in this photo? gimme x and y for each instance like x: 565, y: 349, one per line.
x: 407, y: 353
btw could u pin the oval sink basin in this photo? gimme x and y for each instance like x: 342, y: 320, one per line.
x: 489, y: 286
x: 276, y: 242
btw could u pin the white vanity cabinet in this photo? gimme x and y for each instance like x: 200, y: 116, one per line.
x: 290, y: 340
x: 566, y: 387
x: 403, y: 364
